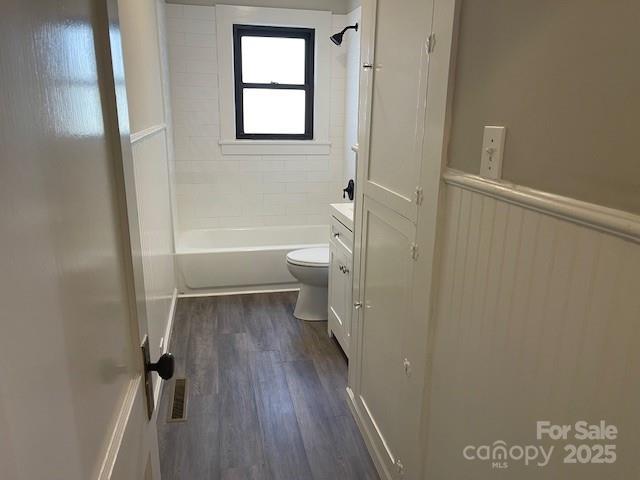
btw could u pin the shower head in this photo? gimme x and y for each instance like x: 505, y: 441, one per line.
x: 337, y: 38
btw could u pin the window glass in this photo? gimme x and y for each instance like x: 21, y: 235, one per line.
x: 273, y: 59
x: 274, y: 82
x: 273, y: 111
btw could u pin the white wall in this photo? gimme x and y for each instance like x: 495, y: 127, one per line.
x: 215, y: 190
x: 142, y: 24
x: 335, y: 6
x: 351, y: 52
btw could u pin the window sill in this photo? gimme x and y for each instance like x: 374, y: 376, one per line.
x: 274, y: 147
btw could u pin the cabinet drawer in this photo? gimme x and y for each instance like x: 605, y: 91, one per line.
x: 341, y: 235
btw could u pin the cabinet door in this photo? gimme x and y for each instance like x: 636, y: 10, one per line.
x: 339, y: 294
x: 348, y: 294
x: 395, y: 98
x: 386, y: 280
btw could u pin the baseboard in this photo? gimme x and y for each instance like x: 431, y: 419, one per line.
x: 240, y: 290
x: 366, y: 435
x: 157, y: 393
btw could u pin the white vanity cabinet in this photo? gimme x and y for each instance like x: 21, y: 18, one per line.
x: 340, y: 273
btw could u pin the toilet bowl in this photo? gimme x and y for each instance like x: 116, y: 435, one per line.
x: 310, y: 266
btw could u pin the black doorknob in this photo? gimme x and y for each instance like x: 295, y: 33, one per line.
x: 164, y: 366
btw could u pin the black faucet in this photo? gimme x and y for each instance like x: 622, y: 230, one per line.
x: 349, y: 190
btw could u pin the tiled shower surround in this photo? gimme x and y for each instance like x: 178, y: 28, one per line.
x: 215, y: 190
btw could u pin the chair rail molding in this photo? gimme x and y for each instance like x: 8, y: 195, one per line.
x: 147, y: 132
x: 615, y: 222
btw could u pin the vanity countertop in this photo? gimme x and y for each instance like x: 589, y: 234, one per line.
x: 343, y: 212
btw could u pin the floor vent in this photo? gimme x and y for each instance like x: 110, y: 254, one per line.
x: 178, y: 411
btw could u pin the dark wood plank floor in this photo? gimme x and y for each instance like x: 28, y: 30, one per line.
x: 267, y: 395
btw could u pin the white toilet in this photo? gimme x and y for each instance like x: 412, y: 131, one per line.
x: 310, y: 266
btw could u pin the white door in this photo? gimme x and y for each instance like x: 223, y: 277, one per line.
x: 72, y: 403
x: 395, y: 58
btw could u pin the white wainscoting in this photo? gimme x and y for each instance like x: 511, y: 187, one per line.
x: 150, y: 162
x: 537, y: 318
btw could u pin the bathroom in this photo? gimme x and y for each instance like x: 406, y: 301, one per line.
x: 257, y: 136
x: 242, y: 204
x: 319, y: 239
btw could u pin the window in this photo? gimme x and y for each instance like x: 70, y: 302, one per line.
x: 273, y: 69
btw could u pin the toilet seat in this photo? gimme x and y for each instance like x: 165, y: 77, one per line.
x: 309, y: 257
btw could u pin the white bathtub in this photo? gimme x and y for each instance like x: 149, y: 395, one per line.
x: 242, y: 257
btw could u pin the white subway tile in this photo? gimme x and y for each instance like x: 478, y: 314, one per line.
x: 189, y: 178
x: 197, y: 166
x: 197, y: 149
x: 176, y: 65
x: 338, y: 86
x: 339, y: 21
x: 252, y: 207
x: 195, y: 130
x: 176, y: 25
x: 306, y: 208
x: 285, y: 177
x: 265, y: 187
x: 318, y: 219
x: 307, y: 187
x: 195, y: 25
x: 194, y: 93
x: 176, y: 39
x: 198, y: 66
x: 208, y: 105
x: 243, y: 221
x: 192, y: 79
x: 261, y: 165
x: 273, y: 204
x: 284, y: 220
x: 196, y: 118
x: 284, y: 157
x: 196, y: 54
x: 276, y: 198
x: 319, y: 177
x: 200, y: 12
x: 336, y: 134
x: 199, y: 40
x: 174, y: 11
x: 185, y: 224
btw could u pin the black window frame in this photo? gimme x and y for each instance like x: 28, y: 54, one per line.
x: 308, y: 34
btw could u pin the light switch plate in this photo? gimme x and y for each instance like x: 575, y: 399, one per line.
x: 492, y: 152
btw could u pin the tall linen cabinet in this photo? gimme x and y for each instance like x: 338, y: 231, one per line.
x: 402, y: 110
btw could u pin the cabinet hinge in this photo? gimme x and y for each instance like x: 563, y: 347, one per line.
x: 414, y: 251
x: 419, y: 195
x: 399, y: 467
x: 431, y: 43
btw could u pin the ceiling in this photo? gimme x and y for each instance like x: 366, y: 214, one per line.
x: 335, y: 6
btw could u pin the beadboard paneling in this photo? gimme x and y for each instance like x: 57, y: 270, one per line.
x: 537, y: 318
